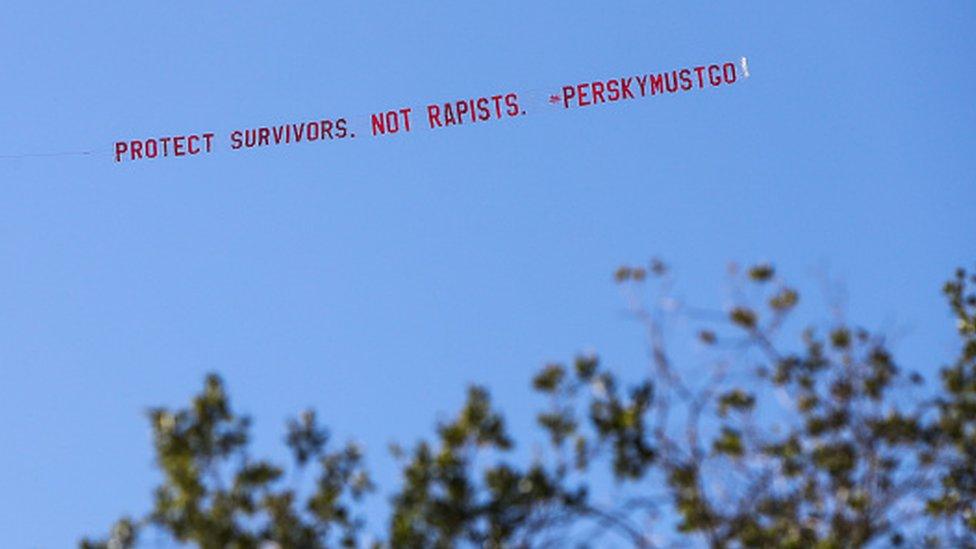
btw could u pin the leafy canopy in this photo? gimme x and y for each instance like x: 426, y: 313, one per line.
x: 828, y: 443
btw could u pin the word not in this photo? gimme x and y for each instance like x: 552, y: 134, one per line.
x: 389, y: 121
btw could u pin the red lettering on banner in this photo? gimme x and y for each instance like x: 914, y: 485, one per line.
x: 669, y: 81
x: 584, y: 94
x: 405, y: 112
x: 483, y: 112
x: 569, y: 92
x: 389, y: 122
x: 449, y: 119
x: 120, y: 148
x: 285, y: 134
x: 511, y: 100
x: 625, y: 92
x: 657, y: 85
x: 726, y: 73
x: 477, y: 109
x: 155, y: 147
x: 441, y: 114
x: 434, y: 115
x: 642, y: 82
x: 714, y: 79
x: 340, y: 127
x: 581, y: 91
x: 379, y: 125
x: 498, y: 107
x: 462, y: 109
x: 699, y: 71
x: 597, y: 92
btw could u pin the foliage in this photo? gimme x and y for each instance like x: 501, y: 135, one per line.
x: 828, y: 444
x: 215, y: 496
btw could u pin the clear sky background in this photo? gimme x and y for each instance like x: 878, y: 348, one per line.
x: 372, y: 279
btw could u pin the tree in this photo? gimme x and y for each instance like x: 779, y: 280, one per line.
x: 828, y: 443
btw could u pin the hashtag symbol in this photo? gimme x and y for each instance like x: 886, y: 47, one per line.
x: 555, y: 99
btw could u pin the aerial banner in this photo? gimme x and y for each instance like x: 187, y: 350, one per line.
x: 490, y: 108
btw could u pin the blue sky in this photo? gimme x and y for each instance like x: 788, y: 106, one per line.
x: 372, y: 279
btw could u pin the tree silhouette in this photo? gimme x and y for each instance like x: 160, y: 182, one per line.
x: 821, y: 442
